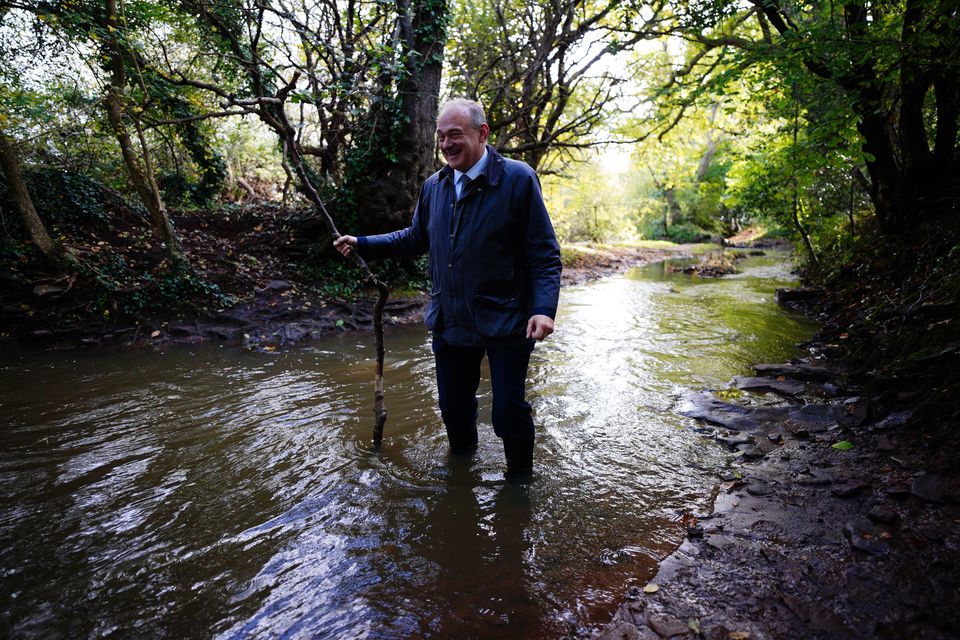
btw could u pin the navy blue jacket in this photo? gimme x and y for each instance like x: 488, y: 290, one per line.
x: 494, y: 257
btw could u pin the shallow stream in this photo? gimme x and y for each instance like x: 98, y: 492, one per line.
x: 211, y: 492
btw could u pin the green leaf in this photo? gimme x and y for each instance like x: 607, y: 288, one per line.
x: 843, y: 445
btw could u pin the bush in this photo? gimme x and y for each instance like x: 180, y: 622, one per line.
x: 65, y: 198
x: 687, y: 233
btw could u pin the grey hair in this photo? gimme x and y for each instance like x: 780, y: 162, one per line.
x: 472, y: 107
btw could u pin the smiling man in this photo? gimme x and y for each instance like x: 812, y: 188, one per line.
x: 495, y: 268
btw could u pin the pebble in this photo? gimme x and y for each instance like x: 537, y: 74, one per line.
x: 884, y: 444
x: 931, y: 487
x: 863, y: 537
x: 753, y: 453
x: 667, y: 626
x: 883, y: 515
x: 898, y: 491
x: 848, y: 489
x: 760, y: 489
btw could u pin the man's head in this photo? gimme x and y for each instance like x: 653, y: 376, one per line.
x: 462, y: 132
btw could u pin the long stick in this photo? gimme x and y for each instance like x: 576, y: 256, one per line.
x: 290, y: 149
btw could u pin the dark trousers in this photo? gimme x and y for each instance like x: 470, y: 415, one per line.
x: 458, y: 377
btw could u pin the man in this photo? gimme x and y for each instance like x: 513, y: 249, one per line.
x: 495, y: 268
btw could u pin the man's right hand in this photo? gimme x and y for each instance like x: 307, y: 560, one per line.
x: 345, y: 245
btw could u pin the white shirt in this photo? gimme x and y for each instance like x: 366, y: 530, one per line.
x: 471, y: 173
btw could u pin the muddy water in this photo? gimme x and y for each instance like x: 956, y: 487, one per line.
x: 209, y: 492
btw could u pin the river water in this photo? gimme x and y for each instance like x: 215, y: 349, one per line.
x: 210, y: 492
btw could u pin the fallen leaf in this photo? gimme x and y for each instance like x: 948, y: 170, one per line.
x: 651, y: 588
x: 738, y: 635
x: 694, y: 625
x: 155, y: 334
x: 843, y: 445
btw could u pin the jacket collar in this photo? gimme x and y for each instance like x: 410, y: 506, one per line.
x: 492, y: 172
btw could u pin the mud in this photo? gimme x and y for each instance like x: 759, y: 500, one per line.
x: 831, y: 519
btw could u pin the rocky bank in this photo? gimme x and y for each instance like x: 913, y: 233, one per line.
x: 836, y: 516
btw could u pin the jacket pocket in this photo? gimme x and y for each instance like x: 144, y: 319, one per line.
x: 499, y: 316
x: 431, y: 315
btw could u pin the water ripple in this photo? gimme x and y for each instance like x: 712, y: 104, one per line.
x: 205, y: 491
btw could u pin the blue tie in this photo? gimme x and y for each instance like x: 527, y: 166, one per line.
x: 461, y: 184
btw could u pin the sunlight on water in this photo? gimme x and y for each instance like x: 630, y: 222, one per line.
x: 212, y: 492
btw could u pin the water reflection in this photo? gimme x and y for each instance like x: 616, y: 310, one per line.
x: 207, y: 491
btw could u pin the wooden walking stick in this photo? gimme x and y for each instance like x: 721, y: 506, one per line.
x: 270, y: 110
x: 370, y: 278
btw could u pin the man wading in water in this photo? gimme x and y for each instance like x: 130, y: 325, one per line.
x: 495, y: 268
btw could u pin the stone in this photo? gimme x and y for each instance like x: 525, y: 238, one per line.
x: 848, y: 488
x: 893, y: 421
x: 753, y: 453
x: 760, y: 489
x: 47, y: 289
x: 735, y: 440
x: 181, y: 330
x: 293, y: 332
x: 799, y: 371
x: 800, y: 294
x: 786, y: 386
x: 618, y: 630
x: 666, y: 626
x: 898, y: 491
x: 933, y: 488
x: 705, y: 406
x: 279, y: 285
x: 717, y: 632
x: 883, y: 443
x: 864, y: 536
x: 883, y: 515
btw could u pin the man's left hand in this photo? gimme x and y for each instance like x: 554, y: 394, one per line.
x: 539, y: 327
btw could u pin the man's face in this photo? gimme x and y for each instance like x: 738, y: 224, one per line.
x: 460, y: 143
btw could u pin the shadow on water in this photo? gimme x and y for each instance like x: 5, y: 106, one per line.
x: 212, y: 492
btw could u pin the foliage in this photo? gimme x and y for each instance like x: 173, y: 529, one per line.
x: 587, y: 204
x: 543, y: 72
x: 172, y: 288
x: 341, y: 278
x: 65, y: 198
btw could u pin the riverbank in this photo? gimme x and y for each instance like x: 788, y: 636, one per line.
x: 256, y: 279
x: 837, y: 514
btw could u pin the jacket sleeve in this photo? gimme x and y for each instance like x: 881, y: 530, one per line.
x: 411, y: 241
x: 542, y: 250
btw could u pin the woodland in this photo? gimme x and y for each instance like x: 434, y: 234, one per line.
x: 180, y: 167
x: 165, y: 158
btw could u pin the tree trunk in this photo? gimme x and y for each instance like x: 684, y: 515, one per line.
x: 386, y: 189
x: 23, y: 202
x: 141, y: 177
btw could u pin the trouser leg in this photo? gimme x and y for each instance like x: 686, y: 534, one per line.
x: 458, y: 376
x: 512, y: 414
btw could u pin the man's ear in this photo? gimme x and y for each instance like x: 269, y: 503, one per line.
x: 484, y: 132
